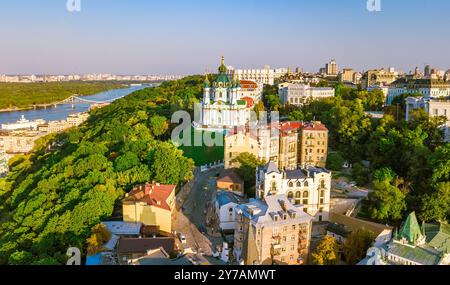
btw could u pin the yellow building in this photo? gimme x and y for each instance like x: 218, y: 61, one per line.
x: 152, y: 205
x: 314, y: 145
x: 237, y: 143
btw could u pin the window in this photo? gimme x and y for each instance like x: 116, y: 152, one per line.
x: 322, y: 183
x: 290, y: 195
x: 299, y: 184
x: 291, y: 184
x: 298, y: 195
x: 306, y: 184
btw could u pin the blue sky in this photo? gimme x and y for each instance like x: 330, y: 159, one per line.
x: 189, y: 36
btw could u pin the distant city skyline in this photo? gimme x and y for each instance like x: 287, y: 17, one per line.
x: 189, y: 37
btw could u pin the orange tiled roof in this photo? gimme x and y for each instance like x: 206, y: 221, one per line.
x: 250, y: 101
x: 248, y: 84
x: 152, y: 194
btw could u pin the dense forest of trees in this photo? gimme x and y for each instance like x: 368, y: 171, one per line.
x: 51, y: 199
x: 23, y: 95
x: 412, y: 156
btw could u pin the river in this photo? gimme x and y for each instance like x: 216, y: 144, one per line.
x: 61, y: 112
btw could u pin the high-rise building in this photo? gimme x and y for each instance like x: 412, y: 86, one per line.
x: 331, y: 68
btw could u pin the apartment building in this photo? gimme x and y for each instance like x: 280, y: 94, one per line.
x: 273, y: 231
x: 313, y: 145
x: 151, y: 204
x: 289, y: 144
x: 266, y: 75
x: 236, y: 143
x: 19, y: 142
x: 310, y: 187
x: 77, y: 119
x: 379, y: 77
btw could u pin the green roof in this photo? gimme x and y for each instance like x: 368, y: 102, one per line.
x: 421, y: 255
x: 438, y: 236
x: 411, y: 229
x: 242, y: 102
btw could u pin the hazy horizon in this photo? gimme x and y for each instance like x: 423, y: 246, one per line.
x: 188, y: 37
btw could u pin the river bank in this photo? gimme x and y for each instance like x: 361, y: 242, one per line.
x: 24, y: 96
x: 62, y: 111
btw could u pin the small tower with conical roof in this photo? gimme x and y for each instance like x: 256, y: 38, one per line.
x: 206, y: 90
x: 411, y: 232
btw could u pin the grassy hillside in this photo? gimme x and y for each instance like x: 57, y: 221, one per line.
x: 51, y: 199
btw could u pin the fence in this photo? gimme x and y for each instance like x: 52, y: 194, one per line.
x: 215, y: 165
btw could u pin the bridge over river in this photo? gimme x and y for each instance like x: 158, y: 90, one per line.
x: 74, y: 104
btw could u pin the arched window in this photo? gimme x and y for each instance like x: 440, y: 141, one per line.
x: 322, y: 183
x: 291, y: 184
x: 306, y: 184
x: 298, y: 195
x: 290, y: 195
x: 305, y: 197
x: 273, y: 189
x: 322, y: 193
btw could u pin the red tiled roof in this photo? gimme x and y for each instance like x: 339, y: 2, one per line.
x: 152, y: 194
x: 249, y: 101
x: 248, y: 84
x: 288, y: 126
x: 315, y: 127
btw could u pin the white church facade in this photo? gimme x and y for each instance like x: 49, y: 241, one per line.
x: 223, y: 106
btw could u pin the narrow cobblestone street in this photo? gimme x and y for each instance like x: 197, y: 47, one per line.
x: 191, y: 218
